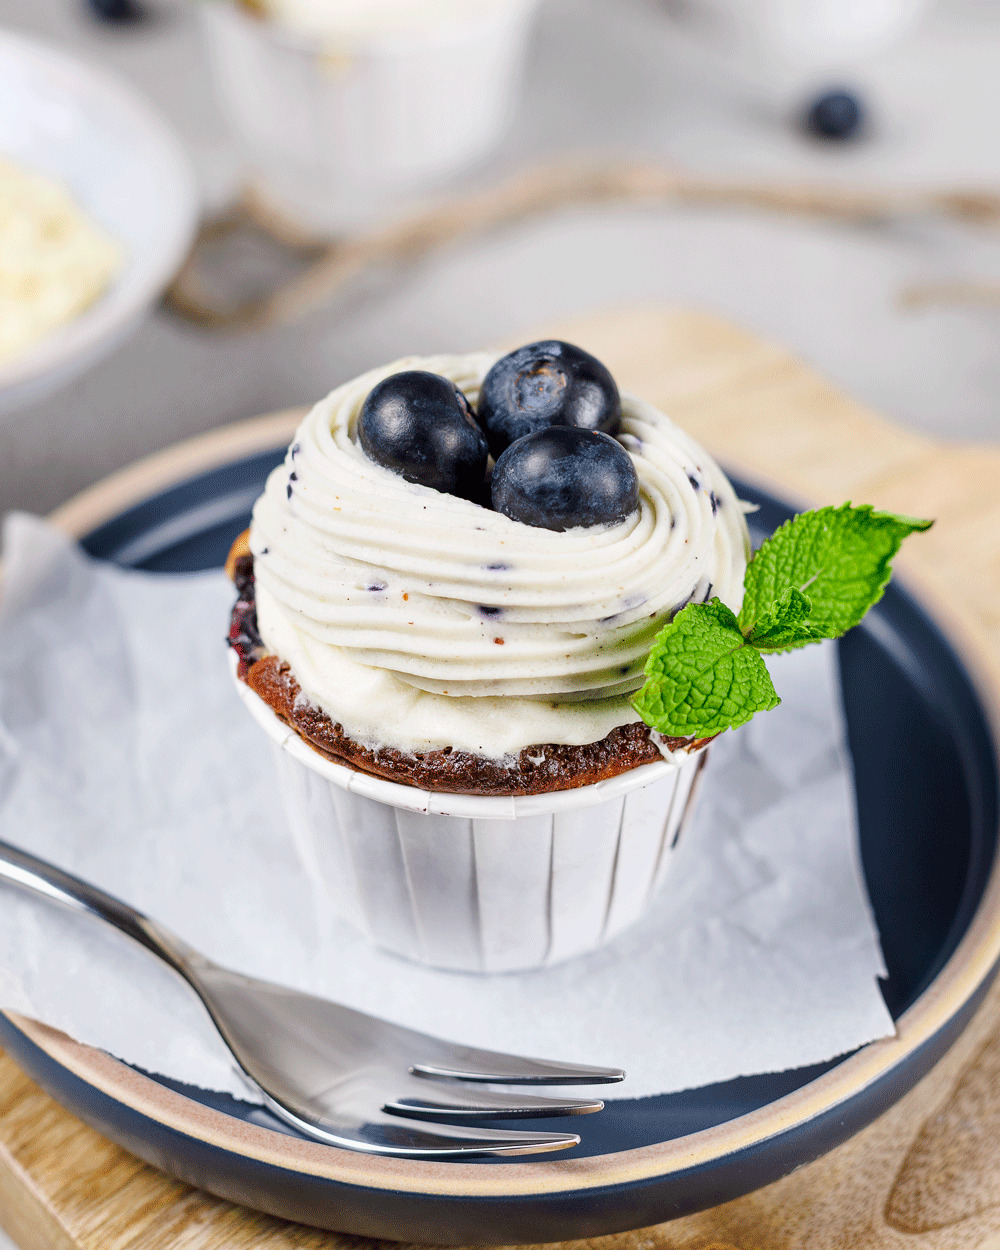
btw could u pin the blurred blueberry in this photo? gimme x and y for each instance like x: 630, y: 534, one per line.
x: 117, y: 10
x: 563, y: 477
x: 835, y: 115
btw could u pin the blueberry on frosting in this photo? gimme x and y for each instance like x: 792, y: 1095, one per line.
x: 563, y: 477
x: 542, y: 385
x: 420, y: 426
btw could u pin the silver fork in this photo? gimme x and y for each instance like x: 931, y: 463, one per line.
x: 335, y: 1074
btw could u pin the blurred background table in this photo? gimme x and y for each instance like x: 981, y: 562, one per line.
x: 604, y: 76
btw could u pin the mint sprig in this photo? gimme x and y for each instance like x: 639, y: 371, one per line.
x: 703, y: 672
x: 784, y: 624
x: 814, y: 578
x: 839, y: 557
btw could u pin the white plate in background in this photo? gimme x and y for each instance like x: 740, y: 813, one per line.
x: 124, y: 167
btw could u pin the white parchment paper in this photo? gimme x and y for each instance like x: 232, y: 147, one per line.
x: 125, y: 756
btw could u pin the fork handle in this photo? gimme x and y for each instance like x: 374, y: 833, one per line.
x: 21, y: 868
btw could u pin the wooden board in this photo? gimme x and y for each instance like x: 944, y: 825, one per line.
x: 926, y: 1175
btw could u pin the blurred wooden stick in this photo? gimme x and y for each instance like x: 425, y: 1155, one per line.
x: 950, y: 291
x: 532, y: 193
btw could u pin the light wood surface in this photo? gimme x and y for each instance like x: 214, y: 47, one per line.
x: 926, y: 1175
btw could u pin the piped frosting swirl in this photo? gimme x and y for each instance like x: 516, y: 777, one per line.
x: 420, y: 620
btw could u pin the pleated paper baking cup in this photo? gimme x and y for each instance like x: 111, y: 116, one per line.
x: 482, y: 883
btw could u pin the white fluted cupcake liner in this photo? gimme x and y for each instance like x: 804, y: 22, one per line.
x: 481, y: 883
x: 342, y: 135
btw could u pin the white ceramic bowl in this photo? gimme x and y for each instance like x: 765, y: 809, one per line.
x: 342, y: 136
x: 481, y: 884
x: 123, y: 165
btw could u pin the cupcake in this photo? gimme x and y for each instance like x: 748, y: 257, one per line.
x: 446, y: 599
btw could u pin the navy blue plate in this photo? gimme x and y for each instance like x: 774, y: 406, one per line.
x: 928, y: 844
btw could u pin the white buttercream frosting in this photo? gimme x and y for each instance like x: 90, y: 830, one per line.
x: 420, y: 621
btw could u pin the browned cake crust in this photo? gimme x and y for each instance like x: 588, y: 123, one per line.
x: 536, y: 770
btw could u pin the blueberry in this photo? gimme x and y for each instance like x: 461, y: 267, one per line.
x: 117, y: 10
x: 835, y: 115
x: 542, y: 385
x: 563, y: 477
x: 420, y: 426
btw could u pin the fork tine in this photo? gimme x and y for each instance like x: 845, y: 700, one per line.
x: 487, y: 1104
x: 410, y: 1138
x: 466, y: 1063
x: 444, y: 1141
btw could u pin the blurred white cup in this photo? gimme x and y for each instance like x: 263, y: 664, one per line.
x: 343, y: 129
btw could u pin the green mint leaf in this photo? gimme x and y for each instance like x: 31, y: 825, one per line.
x: 785, y: 624
x: 702, y: 676
x: 839, y: 557
x: 815, y: 578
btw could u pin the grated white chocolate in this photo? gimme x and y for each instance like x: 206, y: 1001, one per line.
x: 54, y: 261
